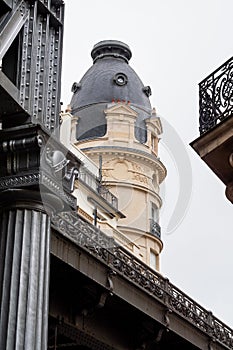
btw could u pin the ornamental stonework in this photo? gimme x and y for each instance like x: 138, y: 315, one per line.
x: 124, y: 170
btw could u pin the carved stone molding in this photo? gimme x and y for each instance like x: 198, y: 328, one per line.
x: 121, y: 168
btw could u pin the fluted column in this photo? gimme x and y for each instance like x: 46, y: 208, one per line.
x: 24, y: 272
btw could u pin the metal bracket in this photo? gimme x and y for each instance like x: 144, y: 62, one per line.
x: 102, y: 300
x: 110, y: 281
x: 166, y: 318
x: 210, y: 345
x: 159, y: 335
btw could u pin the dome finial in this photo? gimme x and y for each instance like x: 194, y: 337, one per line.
x: 113, y: 48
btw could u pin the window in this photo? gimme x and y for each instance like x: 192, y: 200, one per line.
x: 153, y: 143
x: 153, y: 259
x: 120, y: 79
x: 154, y: 213
x: 154, y: 221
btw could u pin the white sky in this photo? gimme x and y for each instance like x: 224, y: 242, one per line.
x: 175, y: 44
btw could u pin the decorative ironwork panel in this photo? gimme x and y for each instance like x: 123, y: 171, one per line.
x: 155, y: 228
x: 216, y: 96
x: 91, y: 239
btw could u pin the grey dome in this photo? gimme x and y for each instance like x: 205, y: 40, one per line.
x: 110, y: 78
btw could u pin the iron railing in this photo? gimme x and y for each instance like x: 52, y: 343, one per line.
x: 91, y: 239
x: 216, y: 96
x: 93, y: 182
x: 155, y: 228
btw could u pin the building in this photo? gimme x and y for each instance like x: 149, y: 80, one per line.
x: 108, y: 125
x: 117, y: 126
x: 80, y: 238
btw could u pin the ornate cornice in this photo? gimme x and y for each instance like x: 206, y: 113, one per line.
x: 130, y: 153
x: 31, y: 158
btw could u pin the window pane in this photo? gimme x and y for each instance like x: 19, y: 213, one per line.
x: 153, y: 260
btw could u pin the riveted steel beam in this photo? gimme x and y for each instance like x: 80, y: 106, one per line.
x: 12, y: 27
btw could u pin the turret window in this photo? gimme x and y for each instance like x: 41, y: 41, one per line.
x: 154, y: 212
x: 120, y: 79
x: 153, y: 143
x: 153, y: 260
x: 155, y: 229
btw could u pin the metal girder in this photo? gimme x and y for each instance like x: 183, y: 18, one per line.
x: 31, y: 54
x: 13, y: 27
x: 9, y: 102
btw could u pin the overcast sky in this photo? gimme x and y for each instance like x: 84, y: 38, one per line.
x: 175, y: 44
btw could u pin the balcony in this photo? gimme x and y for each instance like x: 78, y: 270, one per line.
x: 155, y: 228
x: 93, y: 182
x: 216, y: 97
x: 214, y: 145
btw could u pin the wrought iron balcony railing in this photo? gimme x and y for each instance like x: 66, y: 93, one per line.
x: 216, y: 96
x: 92, y: 181
x: 104, y: 248
x: 107, y: 195
x: 155, y: 228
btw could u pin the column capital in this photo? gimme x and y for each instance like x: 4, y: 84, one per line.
x: 33, y: 159
x: 28, y: 199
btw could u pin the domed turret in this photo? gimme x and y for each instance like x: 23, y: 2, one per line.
x: 109, y: 79
x: 119, y: 132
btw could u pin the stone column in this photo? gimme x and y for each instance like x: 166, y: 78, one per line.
x: 24, y: 270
